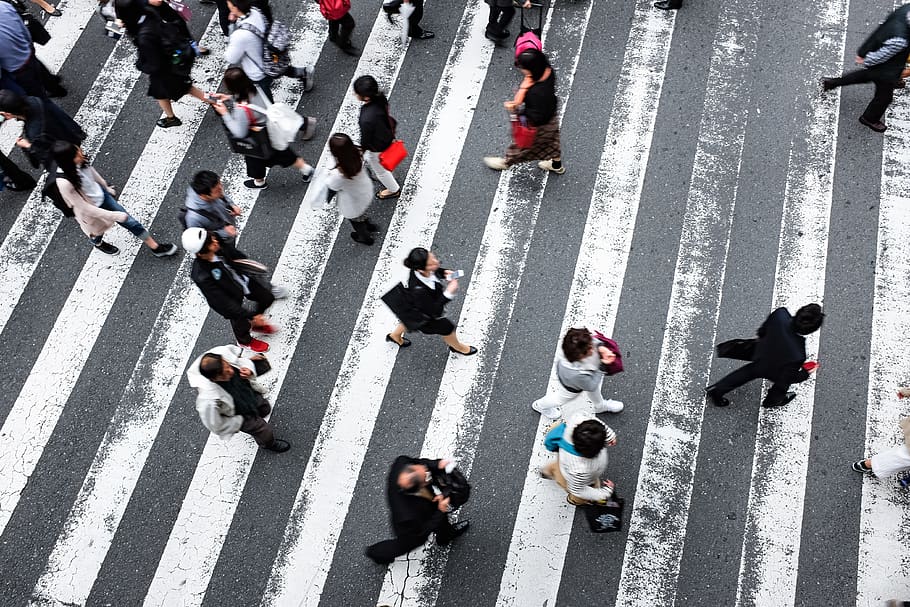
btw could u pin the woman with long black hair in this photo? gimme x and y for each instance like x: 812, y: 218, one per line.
x: 93, y: 202
x: 352, y: 185
x: 377, y: 132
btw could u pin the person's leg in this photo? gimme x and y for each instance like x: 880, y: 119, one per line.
x: 397, y: 333
x: 28, y: 77
x: 334, y: 30
x: 493, y: 22
x: 50, y: 82
x: 132, y: 224
x: 16, y: 179
x: 892, y: 461
x: 505, y: 17
x: 346, y: 24
x: 884, y: 95
x: 386, y: 551
x: 259, y: 429
x: 361, y: 232
x: 853, y: 77
x: 255, y: 168
x: 453, y: 342
x: 777, y: 394
x: 241, y: 328
x: 414, y: 29
x: 305, y: 169
x: 734, y: 380
x: 549, y: 404
x: 261, y: 293
x: 385, y: 177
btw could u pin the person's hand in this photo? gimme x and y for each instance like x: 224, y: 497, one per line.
x: 244, y: 372
x: 611, y: 443
x: 220, y: 108
x: 442, y: 503
x: 443, y: 463
x: 608, y: 483
x: 509, y: 105
x: 906, y: 73
x: 231, y: 230
x: 453, y: 286
x: 606, y: 355
x: 859, y: 60
x: 235, y: 210
x: 112, y: 190
x: 23, y: 143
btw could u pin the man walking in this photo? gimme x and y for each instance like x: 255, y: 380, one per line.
x: 780, y: 354
x: 209, y: 208
x: 417, y: 507
x: 883, y: 56
x: 581, y: 447
x: 229, y: 400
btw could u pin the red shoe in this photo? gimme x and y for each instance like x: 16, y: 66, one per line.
x: 267, y: 328
x: 256, y: 345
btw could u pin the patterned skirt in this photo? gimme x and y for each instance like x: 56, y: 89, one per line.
x: 545, y: 147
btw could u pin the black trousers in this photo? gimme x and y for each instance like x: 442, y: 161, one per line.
x: 884, y: 91
x: 744, y: 375
x: 257, y: 427
x: 499, y: 20
x: 340, y: 30
x: 223, y: 14
x: 387, y: 550
x: 19, y: 178
x: 414, y: 28
x: 261, y: 293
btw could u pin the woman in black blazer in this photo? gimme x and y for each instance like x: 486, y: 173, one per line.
x: 377, y: 132
x: 430, y: 289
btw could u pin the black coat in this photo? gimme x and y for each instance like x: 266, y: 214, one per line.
x: 45, y: 124
x: 895, y: 26
x: 377, y: 128
x: 153, y: 57
x: 222, y: 292
x: 780, y: 351
x: 412, y: 515
x: 431, y: 302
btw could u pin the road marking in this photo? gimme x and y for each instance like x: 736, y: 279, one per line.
x: 93, y: 520
x: 202, y: 525
x: 40, y: 402
x: 457, y: 419
x: 657, y: 529
x: 543, y: 523
x: 771, y: 541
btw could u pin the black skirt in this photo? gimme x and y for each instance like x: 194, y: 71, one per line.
x: 438, y: 326
x: 168, y: 86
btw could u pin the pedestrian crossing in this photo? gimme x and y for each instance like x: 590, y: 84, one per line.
x: 113, y: 493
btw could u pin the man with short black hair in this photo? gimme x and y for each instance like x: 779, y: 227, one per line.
x: 209, y: 207
x: 780, y: 355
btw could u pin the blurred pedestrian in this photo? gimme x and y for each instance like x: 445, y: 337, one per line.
x: 208, y: 206
x: 349, y: 181
x: 891, y: 461
x: 43, y: 124
x: 93, y: 203
x: 580, y: 369
x: 377, y: 132
x: 414, y: 28
x: 229, y: 399
x: 20, y: 70
x: 668, y: 5
x: 535, y: 106
x: 581, y: 458
x: 883, y: 57
x: 779, y: 356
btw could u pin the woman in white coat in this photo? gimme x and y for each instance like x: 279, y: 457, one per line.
x: 894, y: 460
x: 93, y: 203
x: 352, y: 185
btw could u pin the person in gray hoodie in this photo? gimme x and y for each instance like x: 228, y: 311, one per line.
x: 209, y: 207
x: 580, y: 368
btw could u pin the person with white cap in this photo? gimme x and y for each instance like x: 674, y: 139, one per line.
x: 233, y: 286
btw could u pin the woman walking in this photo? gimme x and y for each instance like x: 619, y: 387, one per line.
x: 536, y: 103
x: 350, y: 182
x: 894, y: 460
x: 430, y: 288
x: 92, y: 201
x: 377, y: 132
x: 166, y: 52
x: 247, y: 115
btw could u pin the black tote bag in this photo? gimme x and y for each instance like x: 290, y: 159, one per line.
x: 605, y: 518
x: 738, y: 349
x: 401, y: 303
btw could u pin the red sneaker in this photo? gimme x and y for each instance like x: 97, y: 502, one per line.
x: 256, y: 345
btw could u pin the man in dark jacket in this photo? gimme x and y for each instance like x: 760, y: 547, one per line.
x: 780, y: 353
x: 417, y: 510
x: 883, y: 56
x: 44, y: 124
x: 209, y: 207
x: 228, y: 288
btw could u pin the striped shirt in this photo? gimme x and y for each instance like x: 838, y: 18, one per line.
x: 582, y: 472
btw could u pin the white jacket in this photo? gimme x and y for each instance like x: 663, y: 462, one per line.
x: 213, y: 403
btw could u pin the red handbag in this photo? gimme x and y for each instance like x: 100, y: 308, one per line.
x: 392, y: 156
x: 522, y: 135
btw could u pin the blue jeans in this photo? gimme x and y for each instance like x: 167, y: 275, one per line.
x: 132, y: 224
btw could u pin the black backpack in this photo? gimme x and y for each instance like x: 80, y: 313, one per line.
x: 178, y: 49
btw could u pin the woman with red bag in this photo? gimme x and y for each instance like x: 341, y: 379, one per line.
x: 377, y: 133
x: 535, y: 121
x: 341, y: 24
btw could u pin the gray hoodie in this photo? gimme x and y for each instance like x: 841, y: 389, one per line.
x: 217, y: 214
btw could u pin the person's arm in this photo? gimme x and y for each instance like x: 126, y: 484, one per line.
x: 236, y: 120
x: 579, y: 487
x: 236, y: 47
x: 219, y: 301
x: 889, y: 49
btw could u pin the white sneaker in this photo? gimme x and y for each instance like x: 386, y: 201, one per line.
x: 610, y: 406
x: 496, y: 163
x: 280, y: 291
x: 549, y: 412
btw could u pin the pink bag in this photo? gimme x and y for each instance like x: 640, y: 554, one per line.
x: 616, y: 366
x: 527, y: 41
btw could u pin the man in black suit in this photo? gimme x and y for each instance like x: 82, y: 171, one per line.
x: 883, y: 56
x: 417, y: 510
x: 780, y: 352
x: 668, y: 5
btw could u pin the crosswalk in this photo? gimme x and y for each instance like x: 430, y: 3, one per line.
x: 665, y: 231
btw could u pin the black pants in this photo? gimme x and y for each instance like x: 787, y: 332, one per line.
x: 255, y: 167
x: 499, y: 20
x: 223, y: 14
x: 340, y: 30
x: 261, y: 293
x: 257, y: 427
x: 414, y: 28
x: 387, y: 550
x: 19, y: 178
x: 884, y: 91
x: 744, y: 375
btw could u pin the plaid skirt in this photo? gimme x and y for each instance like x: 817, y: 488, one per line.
x: 545, y: 147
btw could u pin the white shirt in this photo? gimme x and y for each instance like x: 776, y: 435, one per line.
x: 91, y: 189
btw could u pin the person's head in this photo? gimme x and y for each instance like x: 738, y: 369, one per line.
x: 577, y: 344
x: 412, y: 478
x: 12, y: 105
x: 421, y: 260
x: 239, y: 84
x: 130, y: 12
x: 808, y: 319
x: 213, y: 367
x: 199, y: 242
x: 208, y: 186
x: 69, y: 158
x: 347, y: 155
x: 367, y: 89
x: 532, y: 63
x: 240, y: 8
x: 588, y: 437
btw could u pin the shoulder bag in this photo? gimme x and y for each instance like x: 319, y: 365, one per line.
x: 255, y: 143
x: 606, y: 517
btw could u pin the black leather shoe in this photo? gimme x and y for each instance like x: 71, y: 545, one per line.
x: 716, y: 399
x: 279, y: 446
x: 471, y: 351
x: 878, y: 127
x: 405, y: 342
x: 827, y: 84
x: 457, y: 529
x: 666, y: 5
x: 787, y: 398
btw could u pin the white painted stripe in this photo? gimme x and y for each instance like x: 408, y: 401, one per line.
x: 65, y: 32
x: 30, y: 234
x: 93, y: 520
x: 657, y: 528
x: 771, y: 542
x: 413, y: 580
x: 543, y: 522
x: 883, y: 571
x: 205, y: 516
x: 40, y: 402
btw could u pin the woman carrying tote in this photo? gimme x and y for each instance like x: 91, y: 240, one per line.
x: 93, y: 203
x: 247, y: 115
x: 536, y: 103
x: 430, y: 289
x: 350, y: 182
x: 377, y: 132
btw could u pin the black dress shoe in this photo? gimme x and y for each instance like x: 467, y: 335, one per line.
x: 405, y: 342
x: 878, y: 127
x: 787, y: 398
x: 716, y: 399
x: 372, y: 227
x: 279, y: 446
x: 457, y: 529
x: 667, y: 5
x: 356, y: 238
x: 471, y: 351
x: 827, y: 84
